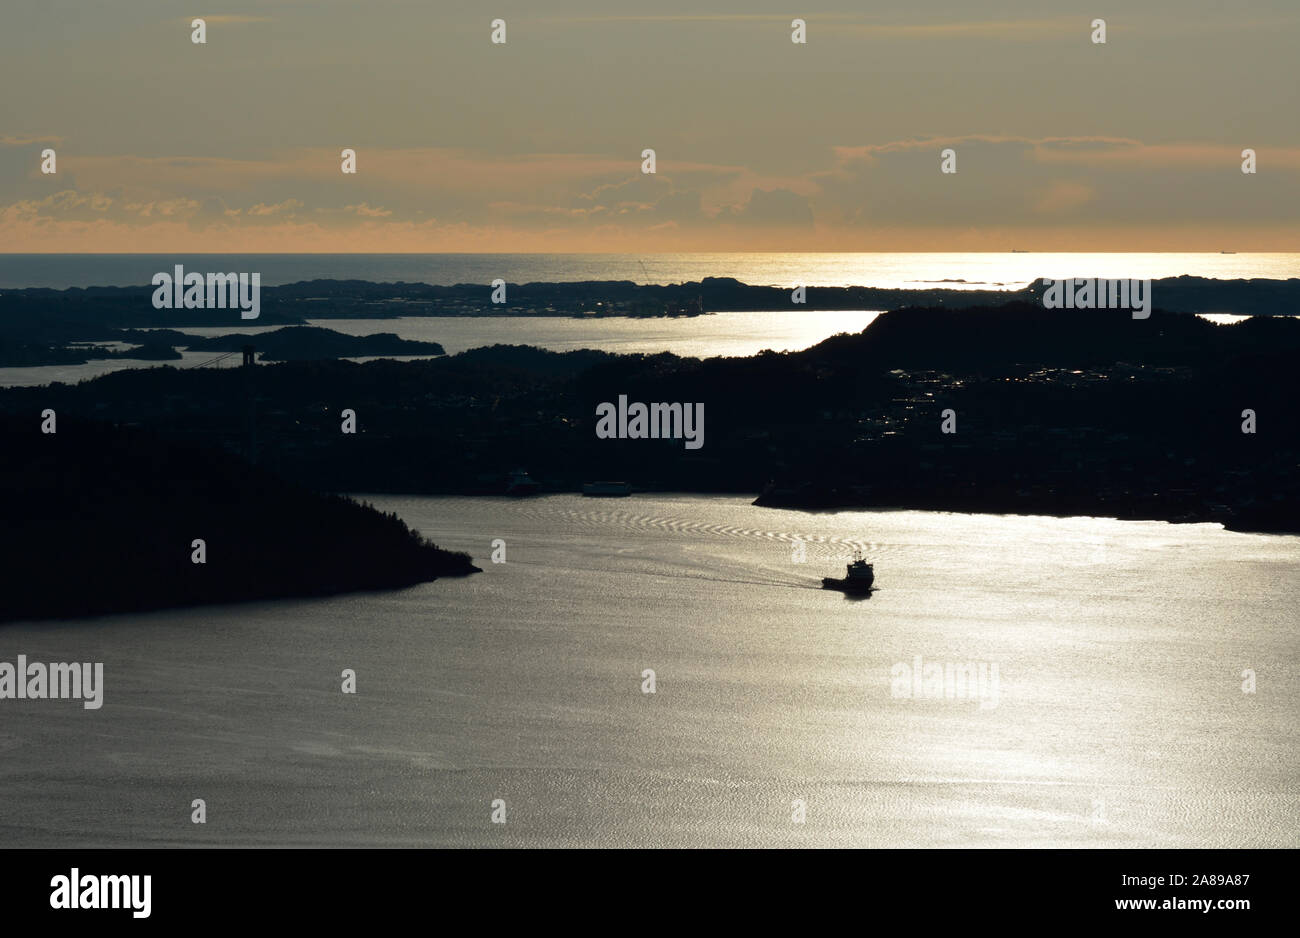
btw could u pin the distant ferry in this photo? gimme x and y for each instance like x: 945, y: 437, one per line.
x: 521, y: 483
x: 858, y: 577
x: 1227, y: 252
x: 606, y: 489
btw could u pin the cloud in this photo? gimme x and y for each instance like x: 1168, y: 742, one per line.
x: 12, y: 140
x: 674, y: 18
x: 66, y: 204
x: 1061, y: 197
x: 366, y: 211
x: 890, y: 195
x: 774, y: 208
x: 1024, y: 30
x: 262, y: 210
x: 229, y: 19
x: 1094, y: 183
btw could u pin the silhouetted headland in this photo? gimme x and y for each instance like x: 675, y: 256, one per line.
x: 305, y: 343
x: 102, y: 519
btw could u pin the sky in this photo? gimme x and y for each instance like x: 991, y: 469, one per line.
x: 1062, y: 144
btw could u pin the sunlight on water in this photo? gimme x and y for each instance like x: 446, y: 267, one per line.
x: 956, y: 271
x: 1117, y: 718
x: 723, y: 334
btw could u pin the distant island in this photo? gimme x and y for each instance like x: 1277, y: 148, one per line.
x: 106, y: 308
x: 102, y: 518
x: 31, y: 345
x: 25, y: 354
x: 1056, y: 412
x: 295, y: 343
x: 40, y: 326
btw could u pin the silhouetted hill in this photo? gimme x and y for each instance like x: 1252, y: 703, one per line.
x: 1056, y: 412
x: 101, y: 519
x: 91, y: 313
x: 311, y: 343
x: 996, y: 337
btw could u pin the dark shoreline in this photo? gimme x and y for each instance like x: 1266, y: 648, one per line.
x: 103, y: 519
x: 816, y: 505
x: 41, y: 326
x: 295, y: 303
x: 1060, y: 412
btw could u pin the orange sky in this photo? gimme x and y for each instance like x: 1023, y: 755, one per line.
x: 1061, y: 144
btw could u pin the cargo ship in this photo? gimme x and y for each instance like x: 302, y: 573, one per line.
x: 858, y: 577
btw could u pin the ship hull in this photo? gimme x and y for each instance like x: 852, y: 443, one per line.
x: 847, y: 586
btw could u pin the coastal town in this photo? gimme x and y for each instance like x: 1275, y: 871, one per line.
x: 1001, y: 409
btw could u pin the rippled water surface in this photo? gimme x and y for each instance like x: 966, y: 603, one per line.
x: 1119, y: 716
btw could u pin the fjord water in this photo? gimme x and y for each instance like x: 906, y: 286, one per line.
x: 736, y: 333
x: 1120, y: 718
x: 724, y: 334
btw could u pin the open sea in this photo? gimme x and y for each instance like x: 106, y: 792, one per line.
x: 898, y: 271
